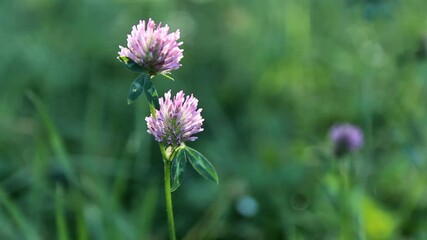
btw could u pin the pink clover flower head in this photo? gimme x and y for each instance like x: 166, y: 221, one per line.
x: 346, y: 138
x: 153, y: 48
x: 177, y: 120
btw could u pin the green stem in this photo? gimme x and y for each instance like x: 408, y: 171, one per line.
x: 169, y: 197
x: 347, y: 204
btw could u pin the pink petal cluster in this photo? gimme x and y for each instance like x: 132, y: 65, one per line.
x: 177, y: 121
x: 153, y: 48
x: 346, y: 138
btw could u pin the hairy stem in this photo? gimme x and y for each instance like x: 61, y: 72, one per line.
x: 168, y: 195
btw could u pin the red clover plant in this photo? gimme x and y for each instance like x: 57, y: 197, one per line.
x: 174, y: 120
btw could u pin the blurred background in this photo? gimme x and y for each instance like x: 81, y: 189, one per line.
x: 272, y: 77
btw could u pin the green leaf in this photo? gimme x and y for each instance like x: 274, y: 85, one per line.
x: 177, y: 168
x: 151, y: 92
x: 55, y: 138
x: 61, y: 222
x: 144, y: 84
x: 20, y: 219
x: 136, y: 87
x: 201, y: 164
x: 131, y: 65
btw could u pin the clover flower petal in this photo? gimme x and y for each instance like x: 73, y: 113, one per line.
x: 346, y: 138
x: 153, y: 48
x: 177, y: 120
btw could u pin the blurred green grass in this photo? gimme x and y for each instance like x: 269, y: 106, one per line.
x: 272, y: 77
